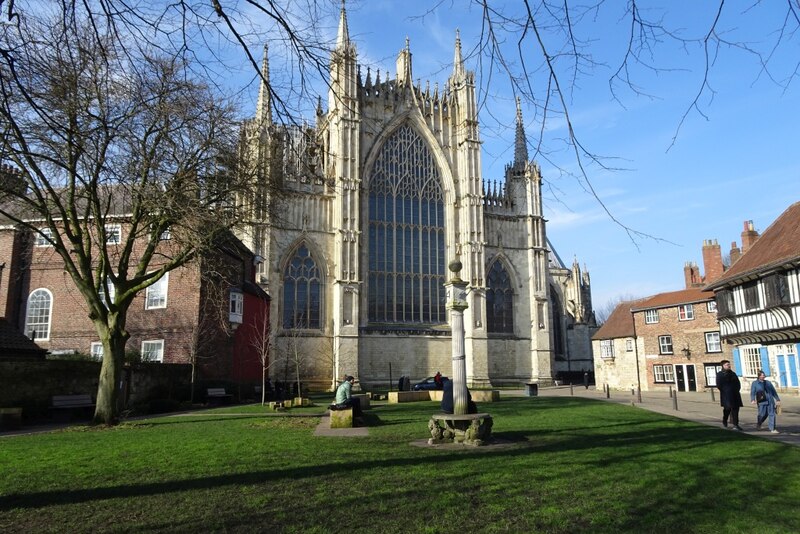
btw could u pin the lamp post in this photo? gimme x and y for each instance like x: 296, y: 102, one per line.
x: 456, y: 295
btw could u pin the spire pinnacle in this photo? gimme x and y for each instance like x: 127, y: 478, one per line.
x: 458, y: 62
x: 264, y: 105
x: 343, y: 37
x: 520, y: 142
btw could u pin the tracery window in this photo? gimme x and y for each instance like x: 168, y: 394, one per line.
x: 406, y: 234
x: 499, y: 300
x: 301, y: 291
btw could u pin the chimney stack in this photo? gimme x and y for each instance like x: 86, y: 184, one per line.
x: 712, y: 260
x: 736, y: 252
x: 749, y: 236
x: 691, y: 275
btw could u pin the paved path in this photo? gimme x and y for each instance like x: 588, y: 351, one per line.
x: 697, y: 407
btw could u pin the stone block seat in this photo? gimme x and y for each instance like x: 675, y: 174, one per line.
x: 341, y: 417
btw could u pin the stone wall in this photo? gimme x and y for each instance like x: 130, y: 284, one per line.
x: 32, y: 384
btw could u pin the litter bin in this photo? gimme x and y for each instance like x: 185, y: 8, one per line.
x: 532, y: 389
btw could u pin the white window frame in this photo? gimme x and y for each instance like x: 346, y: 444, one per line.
x: 42, y: 237
x: 113, y: 234
x: 665, y: 342
x: 34, y: 325
x: 711, y: 306
x: 713, y: 343
x: 112, y: 293
x: 651, y: 316
x: 236, y: 306
x: 751, y: 361
x: 157, y: 301
x: 664, y: 373
x: 628, y: 345
x: 147, y: 348
x: 607, y: 349
x: 686, y: 312
x: 96, y: 351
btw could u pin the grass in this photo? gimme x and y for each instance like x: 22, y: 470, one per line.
x: 568, y: 465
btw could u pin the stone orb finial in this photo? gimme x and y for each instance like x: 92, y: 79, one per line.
x: 455, y: 266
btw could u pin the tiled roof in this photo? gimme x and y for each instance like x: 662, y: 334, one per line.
x: 13, y: 342
x: 780, y: 243
x: 619, y: 323
x: 674, y: 298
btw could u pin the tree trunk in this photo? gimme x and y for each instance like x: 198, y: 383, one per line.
x: 114, y: 338
x: 263, y: 385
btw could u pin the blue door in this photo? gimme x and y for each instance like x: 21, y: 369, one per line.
x: 782, y: 378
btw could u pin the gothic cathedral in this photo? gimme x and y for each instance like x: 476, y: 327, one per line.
x: 362, y: 215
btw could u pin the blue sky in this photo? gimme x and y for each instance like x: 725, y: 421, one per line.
x: 738, y: 162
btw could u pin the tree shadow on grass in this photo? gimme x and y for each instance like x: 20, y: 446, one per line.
x: 618, y: 444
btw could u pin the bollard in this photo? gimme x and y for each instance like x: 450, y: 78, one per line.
x: 608, y: 392
x: 675, y: 401
x: 633, y: 392
x: 712, y: 395
x: 639, y: 394
x: 670, y: 392
x: 570, y: 388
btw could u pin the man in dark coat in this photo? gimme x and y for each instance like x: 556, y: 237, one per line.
x: 729, y: 397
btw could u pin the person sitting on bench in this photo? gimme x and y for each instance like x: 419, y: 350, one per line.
x: 344, y: 398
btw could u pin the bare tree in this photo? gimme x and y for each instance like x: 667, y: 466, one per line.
x: 604, y: 312
x: 263, y: 343
x: 115, y: 148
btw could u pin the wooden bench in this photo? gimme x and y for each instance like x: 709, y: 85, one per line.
x: 469, y: 429
x: 218, y: 396
x: 64, y: 407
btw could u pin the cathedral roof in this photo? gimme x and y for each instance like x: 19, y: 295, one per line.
x: 778, y: 245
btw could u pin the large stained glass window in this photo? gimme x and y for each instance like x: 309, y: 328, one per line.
x: 499, y: 300
x: 301, y: 291
x: 406, y: 234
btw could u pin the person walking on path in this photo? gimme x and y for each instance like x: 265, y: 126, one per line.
x: 729, y: 397
x: 586, y: 379
x: 763, y: 394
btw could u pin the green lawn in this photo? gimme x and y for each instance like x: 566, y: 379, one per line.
x: 569, y: 465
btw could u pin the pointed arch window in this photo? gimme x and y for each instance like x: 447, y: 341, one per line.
x: 499, y: 300
x: 406, y: 234
x: 301, y: 291
x: 37, y: 319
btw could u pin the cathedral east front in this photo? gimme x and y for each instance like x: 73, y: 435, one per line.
x: 358, y: 217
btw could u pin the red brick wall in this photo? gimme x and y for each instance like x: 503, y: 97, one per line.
x: 176, y: 324
x: 684, y: 333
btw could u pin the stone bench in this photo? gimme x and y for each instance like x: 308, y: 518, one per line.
x: 485, y: 395
x: 396, y: 397
x: 481, y: 395
x: 469, y: 429
x: 340, y: 417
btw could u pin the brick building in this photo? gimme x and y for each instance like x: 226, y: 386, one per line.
x: 678, y: 340
x: 187, y: 315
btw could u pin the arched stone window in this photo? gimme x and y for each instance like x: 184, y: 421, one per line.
x: 301, y: 291
x: 37, y: 319
x: 406, y: 234
x: 499, y: 300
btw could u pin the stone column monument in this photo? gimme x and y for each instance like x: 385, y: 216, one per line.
x: 460, y: 426
x: 456, y: 296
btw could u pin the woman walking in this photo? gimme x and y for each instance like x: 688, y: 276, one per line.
x: 764, y: 395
